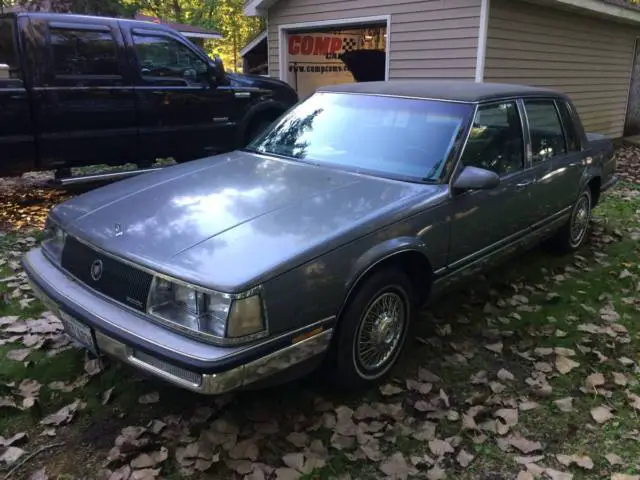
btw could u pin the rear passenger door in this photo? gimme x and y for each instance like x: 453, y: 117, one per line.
x: 83, y: 100
x: 555, y: 161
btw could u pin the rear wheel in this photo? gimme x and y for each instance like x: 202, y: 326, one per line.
x: 372, y: 330
x: 574, y: 233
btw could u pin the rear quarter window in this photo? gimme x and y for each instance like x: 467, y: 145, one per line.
x: 81, y: 52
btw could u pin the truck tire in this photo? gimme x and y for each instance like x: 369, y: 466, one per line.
x: 573, y: 234
x: 372, y: 330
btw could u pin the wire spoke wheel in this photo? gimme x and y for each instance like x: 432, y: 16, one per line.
x: 580, y: 220
x: 380, y: 332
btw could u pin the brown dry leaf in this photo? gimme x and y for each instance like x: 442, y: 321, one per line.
x: 64, y: 415
x: 564, y: 404
x: 440, y: 447
x: 145, y: 474
x: 601, y: 414
x: 624, y: 476
x: 19, y: 354
x: 509, y: 415
x: 522, y: 475
x: 565, y: 364
x: 245, y: 449
x: 365, y: 411
x: 298, y: 439
x: 594, y: 380
x: 464, y: 458
x: 494, y: 347
x: 557, y: 475
x: 425, y: 431
x: 614, y: 459
x: 287, y: 474
x: 634, y: 400
x: 524, y: 445
x: 425, y: 375
x: 106, y: 396
x: 149, y: 398
x: 11, y: 455
x: 93, y: 366
x: 16, y: 439
x: 396, y: 466
x: 505, y: 375
x: 39, y: 474
x: 528, y: 405
x: 620, y: 379
x: 582, y: 461
x: 390, y: 390
x: 436, y: 473
x: 294, y: 460
x: 420, y: 387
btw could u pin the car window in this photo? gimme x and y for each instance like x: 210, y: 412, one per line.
x: 408, y: 139
x: 573, y: 142
x: 162, y: 56
x: 495, y: 141
x: 8, y: 57
x: 547, y: 138
x: 84, y: 52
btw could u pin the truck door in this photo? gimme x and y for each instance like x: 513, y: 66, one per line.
x: 17, y: 141
x: 83, y: 95
x: 181, y: 112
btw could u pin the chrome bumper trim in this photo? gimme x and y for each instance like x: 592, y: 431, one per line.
x: 218, y: 383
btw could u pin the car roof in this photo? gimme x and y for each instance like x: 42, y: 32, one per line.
x: 456, y: 90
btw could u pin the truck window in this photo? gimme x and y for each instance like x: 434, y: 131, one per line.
x: 573, y: 143
x: 83, y: 52
x: 547, y: 138
x: 8, y: 58
x: 162, y: 56
x: 495, y: 142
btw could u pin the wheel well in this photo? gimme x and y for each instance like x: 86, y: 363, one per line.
x: 414, y: 264
x: 594, y: 186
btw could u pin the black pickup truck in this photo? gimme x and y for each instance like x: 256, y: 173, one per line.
x: 80, y: 90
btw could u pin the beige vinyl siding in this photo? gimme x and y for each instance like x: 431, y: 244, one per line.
x: 587, y: 58
x: 429, y: 38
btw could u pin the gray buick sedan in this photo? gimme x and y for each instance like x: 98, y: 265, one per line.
x: 317, y: 244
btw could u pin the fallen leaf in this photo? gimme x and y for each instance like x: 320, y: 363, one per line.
x: 620, y: 379
x: 389, y: 390
x: 565, y: 364
x: 524, y: 445
x: 294, y: 460
x: 11, y: 455
x: 287, y: 474
x: 93, y: 366
x: 624, y: 476
x: 16, y: 439
x: 594, y: 380
x: 505, y: 375
x: 522, y: 475
x: 436, y: 473
x: 528, y: 405
x: 396, y: 466
x: 509, y: 415
x: 425, y: 375
x: 19, y: 354
x: 494, y: 347
x: 440, y: 447
x: 464, y: 458
x: 564, y: 404
x: 614, y: 459
x: 601, y: 414
x: 64, y: 415
x: 40, y: 474
x: 149, y: 398
x: 298, y: 439
x: 246, y: 449
x: 557, y: 475
x: 582, y: 461
x: 106, y: 396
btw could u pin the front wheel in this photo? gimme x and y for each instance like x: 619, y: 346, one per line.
x: 372, y: 330
x: 574, y: 233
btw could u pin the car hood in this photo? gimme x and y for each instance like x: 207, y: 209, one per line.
x: 230, y: 221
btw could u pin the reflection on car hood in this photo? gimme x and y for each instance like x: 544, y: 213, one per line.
x: 227, y: 221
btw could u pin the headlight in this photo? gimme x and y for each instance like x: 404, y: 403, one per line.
x: 54, y: 238
x: 216, y: 316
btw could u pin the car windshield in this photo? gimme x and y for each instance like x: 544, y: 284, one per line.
x: 388, y: 136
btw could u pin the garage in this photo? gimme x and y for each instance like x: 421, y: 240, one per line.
x: 585, y: 49
x: 314, y: 56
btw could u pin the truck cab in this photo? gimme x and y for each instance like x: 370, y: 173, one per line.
x: 79, y: 90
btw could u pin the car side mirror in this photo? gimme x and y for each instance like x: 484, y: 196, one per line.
x: 474, y: 178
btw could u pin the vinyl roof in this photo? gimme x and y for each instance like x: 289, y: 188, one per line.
x: 460, y: 90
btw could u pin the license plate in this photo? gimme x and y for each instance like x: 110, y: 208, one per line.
x: 78, y: 331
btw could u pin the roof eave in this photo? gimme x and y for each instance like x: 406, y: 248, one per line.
x: 601, y: 8
x: 257, y: 8
x: 253, y: 43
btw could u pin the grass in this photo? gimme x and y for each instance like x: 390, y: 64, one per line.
x: 562, y: 293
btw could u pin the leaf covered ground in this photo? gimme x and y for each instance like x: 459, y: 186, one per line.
x: 531, y: 371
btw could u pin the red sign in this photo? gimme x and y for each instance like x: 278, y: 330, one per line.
x: 313, y: 45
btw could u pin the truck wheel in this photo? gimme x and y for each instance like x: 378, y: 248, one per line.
x: 574, y: 233
x: 372, y: 330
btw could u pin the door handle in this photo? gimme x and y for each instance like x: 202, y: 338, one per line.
x: 524, y: 183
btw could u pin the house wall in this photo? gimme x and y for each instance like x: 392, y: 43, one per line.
x: 587, y: 58
x: 428, y: 38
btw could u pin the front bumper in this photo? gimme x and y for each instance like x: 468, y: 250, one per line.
x: 188, y: 363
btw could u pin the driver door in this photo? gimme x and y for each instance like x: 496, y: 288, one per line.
x: 180, y: 111
x: 483, y: 221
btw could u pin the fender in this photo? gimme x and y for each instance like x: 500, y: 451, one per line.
x: 253, y: 111
x: 378, y: 254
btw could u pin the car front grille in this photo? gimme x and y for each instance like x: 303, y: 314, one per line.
x: 119, y: 281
